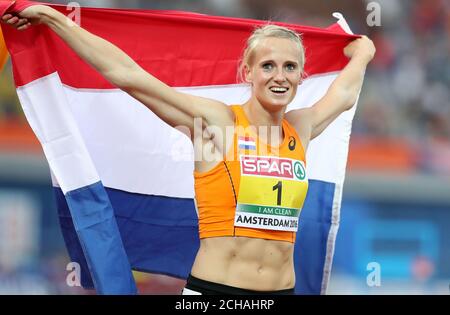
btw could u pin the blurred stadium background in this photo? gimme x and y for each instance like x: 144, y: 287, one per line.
x: 396, y: 204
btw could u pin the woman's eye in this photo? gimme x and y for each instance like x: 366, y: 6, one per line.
x: 291, y: 67
x: 267, y: 66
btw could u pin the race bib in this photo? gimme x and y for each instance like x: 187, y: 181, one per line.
x: 271, y: 193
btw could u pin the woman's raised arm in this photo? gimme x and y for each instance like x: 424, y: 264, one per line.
x: 175, y: 108
x: 341, y: 95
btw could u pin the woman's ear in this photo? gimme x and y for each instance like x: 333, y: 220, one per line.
x: 248, y: 74
x: 302, y: 78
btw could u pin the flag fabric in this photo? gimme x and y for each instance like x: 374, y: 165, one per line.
x: 3, y: 52
x: 123, y: 178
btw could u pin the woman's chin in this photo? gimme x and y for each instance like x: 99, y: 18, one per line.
x: 278, y: 101
x: 274, y: 105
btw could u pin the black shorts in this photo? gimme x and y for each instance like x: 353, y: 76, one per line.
x: 195, y: 286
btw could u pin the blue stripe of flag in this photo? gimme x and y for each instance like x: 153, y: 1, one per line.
x: 99, y: 238
x: 247, y: 147
x: 160, y: 234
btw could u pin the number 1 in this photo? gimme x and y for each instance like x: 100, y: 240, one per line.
x: 278, y: 186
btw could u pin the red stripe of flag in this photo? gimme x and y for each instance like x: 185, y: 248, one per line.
x: 181, y: 49
x: 246, y: 139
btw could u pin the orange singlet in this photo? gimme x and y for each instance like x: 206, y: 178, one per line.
x: 257, y: 190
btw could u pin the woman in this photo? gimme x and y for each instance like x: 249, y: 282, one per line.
x: 250, y: 193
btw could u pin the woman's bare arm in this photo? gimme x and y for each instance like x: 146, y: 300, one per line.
x: 343, y: 92
x: 175, y: 108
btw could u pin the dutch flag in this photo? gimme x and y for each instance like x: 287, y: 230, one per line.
x: 247, y: 143
x: 124, y: 199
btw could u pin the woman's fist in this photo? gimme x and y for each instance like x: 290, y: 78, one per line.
x: 362, y: 46
x: 23, y: 20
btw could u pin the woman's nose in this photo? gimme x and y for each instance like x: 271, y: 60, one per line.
x: 280, y: 76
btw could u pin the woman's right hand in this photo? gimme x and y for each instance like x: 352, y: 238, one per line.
x: 22, y: 21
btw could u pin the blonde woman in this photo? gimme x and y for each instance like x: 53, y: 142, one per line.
x: 239, y: 253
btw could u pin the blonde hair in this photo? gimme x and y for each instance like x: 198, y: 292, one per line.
x: 268, y: 31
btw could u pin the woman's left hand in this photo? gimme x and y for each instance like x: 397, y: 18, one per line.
x: 362, y: 46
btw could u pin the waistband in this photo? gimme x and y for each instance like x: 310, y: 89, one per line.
x: 212, y: 288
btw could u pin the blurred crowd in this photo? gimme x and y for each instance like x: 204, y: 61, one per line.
x: 406, y: 92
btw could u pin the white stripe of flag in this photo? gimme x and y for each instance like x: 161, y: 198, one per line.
x: 247, y: 143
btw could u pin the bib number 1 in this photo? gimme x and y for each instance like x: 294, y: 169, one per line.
x: 279, y: 187
x: 262, y: 204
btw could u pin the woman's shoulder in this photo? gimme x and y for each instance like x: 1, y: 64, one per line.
x: 300, y: 120
x: 219, y: 114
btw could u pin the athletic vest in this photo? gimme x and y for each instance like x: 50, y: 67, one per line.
x: 257, y: 190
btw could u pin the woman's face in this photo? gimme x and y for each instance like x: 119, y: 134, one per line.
x: 274, y: 72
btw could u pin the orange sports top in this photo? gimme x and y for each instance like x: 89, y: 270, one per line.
x: 257, y: 190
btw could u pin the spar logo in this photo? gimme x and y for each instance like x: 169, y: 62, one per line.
x: 272, y: 167
x: 299, y: 170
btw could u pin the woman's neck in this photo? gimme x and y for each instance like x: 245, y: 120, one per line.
x: 259, y: 118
